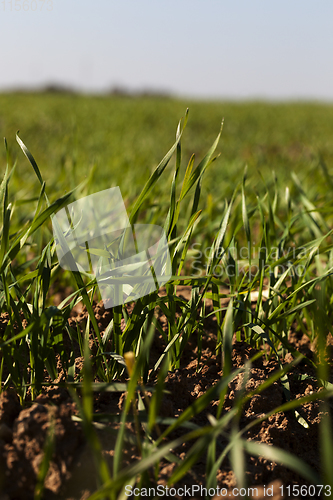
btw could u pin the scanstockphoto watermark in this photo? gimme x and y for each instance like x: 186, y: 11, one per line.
x: 195, y: 490
x: 26, y: 5
x: 236, y: 261
x: 94, y: 236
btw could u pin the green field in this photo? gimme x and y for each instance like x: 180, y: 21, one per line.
x: 124, y: 138
x: 251, y: 215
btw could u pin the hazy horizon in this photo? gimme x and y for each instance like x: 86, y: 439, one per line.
x: 216, y: 51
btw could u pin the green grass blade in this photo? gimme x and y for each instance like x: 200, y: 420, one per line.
x: 228, y: 331
x: 155, y: 175
x: 30, y: 158
x: 199, y: 171
x: 275, y: 454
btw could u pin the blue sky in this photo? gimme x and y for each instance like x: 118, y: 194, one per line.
x: 207, y: 49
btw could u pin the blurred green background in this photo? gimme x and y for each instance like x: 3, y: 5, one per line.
x: 119, y: 140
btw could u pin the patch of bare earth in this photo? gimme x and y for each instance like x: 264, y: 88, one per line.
x: 72, y: 473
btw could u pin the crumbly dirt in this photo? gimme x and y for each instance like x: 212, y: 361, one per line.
x: 24, y: 432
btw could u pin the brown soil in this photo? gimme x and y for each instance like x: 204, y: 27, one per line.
x: 23, y: 431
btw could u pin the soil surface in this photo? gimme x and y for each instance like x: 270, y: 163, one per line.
x: 50, y: 423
